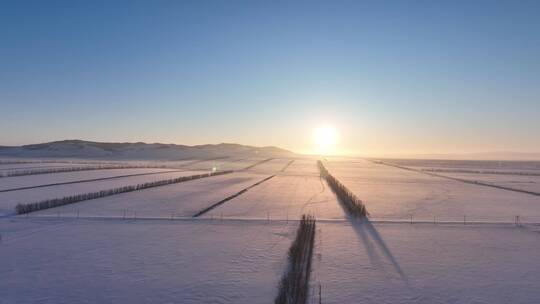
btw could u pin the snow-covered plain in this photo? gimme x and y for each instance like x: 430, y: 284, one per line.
x: 272, y: 166
x: 224, y: 164
x: 393, y: 193
x: 523, y: 175
x: 303, y: 167
x: 475, y: 165
x: 115, y: 261
x: 28, y: 166
x: 284, y: 197
x: 8, y: 200
x: 426, y: 263
x: 176, y: 200
x: 64, y: 177
x: 523, y: 182
x: 233, y: 254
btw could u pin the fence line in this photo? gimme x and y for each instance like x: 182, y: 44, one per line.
x: 128, y: 214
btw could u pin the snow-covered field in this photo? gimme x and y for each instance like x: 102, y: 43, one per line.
x: 283, y: 197
x: 426, y: 263
x: 475, y: 165
x: 393, y: 193
x: 224, y: 164
x: 8, y: 200
x: 236, y: 253
x: 115, y: 261
x: 271, y: 166
x: 176, y: 200
x: 64, y: 177
x: 28, y: 166
x: 302, y: 167
x: 523, y: 182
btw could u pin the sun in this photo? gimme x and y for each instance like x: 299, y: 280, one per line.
x: 325, y: 138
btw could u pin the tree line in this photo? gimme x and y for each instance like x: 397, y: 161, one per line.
x: 294, y: 284
x: 353, y: 205
x: 66, y: 200
x: 78, y: 168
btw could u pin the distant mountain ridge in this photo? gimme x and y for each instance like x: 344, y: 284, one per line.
x: 137, y: 151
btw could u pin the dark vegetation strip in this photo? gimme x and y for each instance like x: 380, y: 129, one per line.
x: 467, y: 181
x: 73, y: 169
x: 258, y: 163
x: 14, y: 162
x: 294, y: 284
x: 58, y: 161
x: 205, y: 210
x: 28, y: 168
x: 353, y: 205
x: 51, y: 203
x: 480, y: 172
x: 102, y: 167
x: 287, y: 166
x: 202, y: 161
x: 89, y: 180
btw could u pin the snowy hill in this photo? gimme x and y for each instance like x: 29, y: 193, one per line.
x: 139, y: 150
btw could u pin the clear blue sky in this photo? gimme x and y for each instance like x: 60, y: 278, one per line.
x: 391, y: 76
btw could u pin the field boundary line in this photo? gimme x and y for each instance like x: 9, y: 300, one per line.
x: 223, y: 201
x: 73, y: 217
x: 72, y: 199
x: 466, y: 181
x: 286, y: 166
x: 258, y: 163
x: 91, y: 180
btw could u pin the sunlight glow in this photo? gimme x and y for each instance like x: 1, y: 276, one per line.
x: 325, y: 138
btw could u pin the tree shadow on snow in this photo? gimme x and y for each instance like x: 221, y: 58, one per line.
x: 372, y: 241
x: 369, y: 235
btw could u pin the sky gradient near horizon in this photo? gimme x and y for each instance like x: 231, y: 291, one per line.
x: 393, y: 77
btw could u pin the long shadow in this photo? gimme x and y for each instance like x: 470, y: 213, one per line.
x: 373, y: 256
x: 361, y: 226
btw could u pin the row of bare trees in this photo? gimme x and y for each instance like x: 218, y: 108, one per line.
x: 228, y: 198
x: 258, y: 163
x: 55, y: 202
x: 347, y: 198
x: 76, y: 168
x: 294, y: 284
x: 494, y: 172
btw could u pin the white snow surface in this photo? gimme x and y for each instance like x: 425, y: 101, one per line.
x: 224, y: 164
x: 8, y: 200
x: 36, y: 166
x: 175, y: 200
x: 115, y: 261
x: 393, y: 193
x: 63, y: 177
x: 272, y: 166
x: 523, y: 182
x: 158, y: 254
x: 284, y: 197
x: 425, y: 263
x: 303, y: 166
